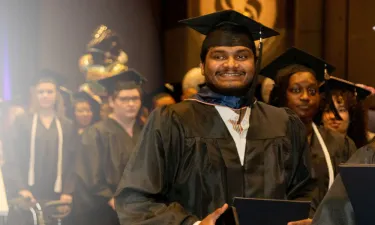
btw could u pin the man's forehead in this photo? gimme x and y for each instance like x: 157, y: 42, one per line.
x: 128, y: 92
x: 229, y: 49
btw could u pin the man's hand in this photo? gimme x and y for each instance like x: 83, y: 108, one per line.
x: 301, y: 222
x: 27, y: 194
x: 66, y: 198
x: 112, y: 203
x: 211, y: 219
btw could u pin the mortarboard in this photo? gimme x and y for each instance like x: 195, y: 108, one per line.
x: 359, y: 182
x: 84, y: 96
x: 208, y: 23
x: 230, y: 28
x: 253, y: 211
x: 336, y: 83
x: 297, y: 56
x: 129, y: 79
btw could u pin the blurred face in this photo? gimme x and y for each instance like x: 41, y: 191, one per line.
x: 165, y: 100
x: 46, y: 94
x: 188, y: 93
x: 229, y: 70
x: 303, y: 95
x: 126, y: 104
x: 83, y: 113
x: 329, y: 120
x: 267, y: 87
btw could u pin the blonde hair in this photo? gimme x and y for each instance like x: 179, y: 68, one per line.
x: 59, y: 103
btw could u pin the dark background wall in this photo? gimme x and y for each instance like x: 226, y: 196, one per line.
x: 53, y: 34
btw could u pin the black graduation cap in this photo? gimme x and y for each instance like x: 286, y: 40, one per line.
x: 125, y: 80
x: 297, y: 56
x: 84, y: 96
x: 359, y: 182
x: 335, y: 83
x: 207, y: 23
x: 257, y: 210
x: 47, y: 75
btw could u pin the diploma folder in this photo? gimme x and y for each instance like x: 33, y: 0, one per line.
x: 359, y: 182
x: 253, y: 211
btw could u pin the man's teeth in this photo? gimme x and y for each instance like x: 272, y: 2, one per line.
x: 231, y: 74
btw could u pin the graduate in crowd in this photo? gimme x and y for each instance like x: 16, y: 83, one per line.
x: 163, y: 96
x: 348, y: 99
x: 107, y: 146
x: 336, y: 208
x: 40, y: 150
x: 197, y: 155
x: 297, y: 75
x: 86, y: 111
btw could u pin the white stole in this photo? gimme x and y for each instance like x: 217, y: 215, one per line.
x: 326, y: 155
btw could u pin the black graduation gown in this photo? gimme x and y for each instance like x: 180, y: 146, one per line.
x: 336, y: 208
x: 340, y: 149
x: 17, y: 157
x: 186, y: 164
x: 106, y: 148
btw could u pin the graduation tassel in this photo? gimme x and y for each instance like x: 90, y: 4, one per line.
x: 331, y: 104
x: 251, y: 92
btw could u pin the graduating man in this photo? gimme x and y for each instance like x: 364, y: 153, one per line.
x: 106, y: 148
x: 197, y: 155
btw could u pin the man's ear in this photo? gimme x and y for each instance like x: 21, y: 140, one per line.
x: 202, y: 68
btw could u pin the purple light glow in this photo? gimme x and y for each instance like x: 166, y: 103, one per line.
x: 7, y: 93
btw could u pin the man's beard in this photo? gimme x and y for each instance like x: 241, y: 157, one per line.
x: 230, y: 91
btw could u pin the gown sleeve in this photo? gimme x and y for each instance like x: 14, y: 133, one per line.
x: 89, y: 164
x: 13, y: 143
x: 141, y: 195
x: 301, y: 164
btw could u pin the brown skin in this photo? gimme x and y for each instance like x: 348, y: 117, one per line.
x: 303, y: 97
x: 211, y: 219
x: 222, y: 62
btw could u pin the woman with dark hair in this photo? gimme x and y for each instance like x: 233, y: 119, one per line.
x: 348, y: 100
x: 40, y: 150
x: 297, y: 75
x: 86, y: 111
